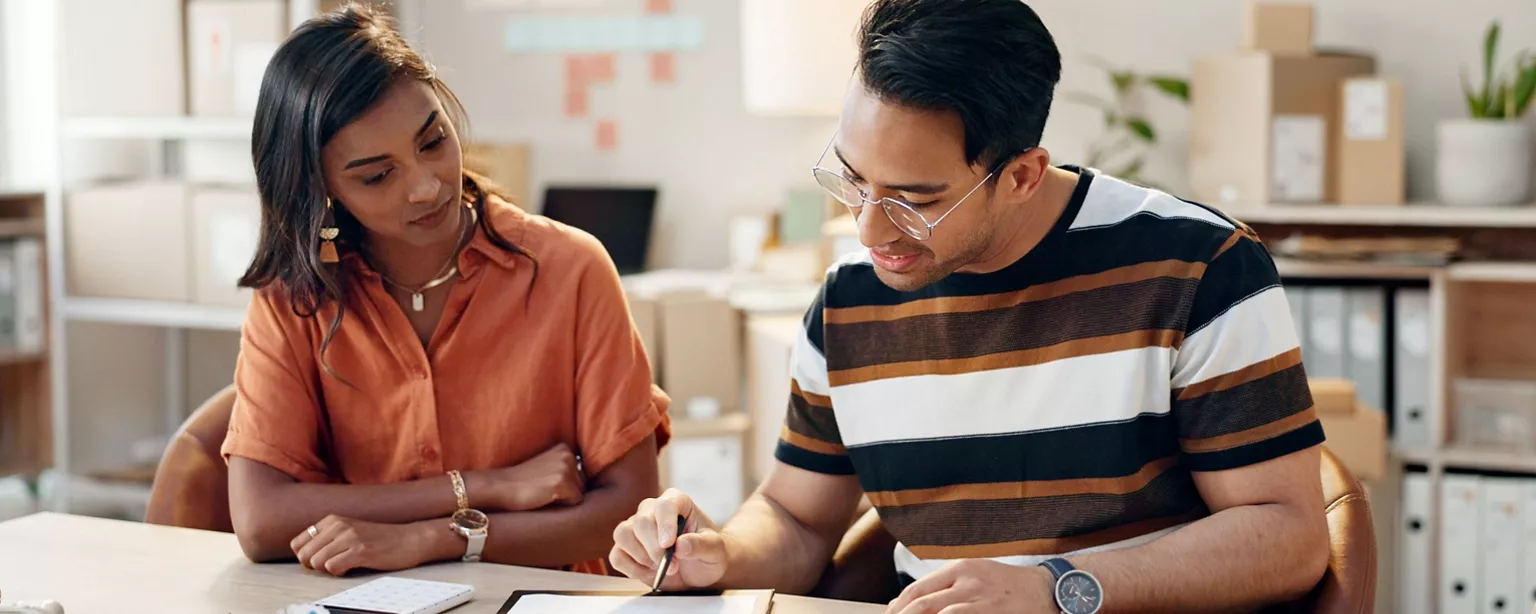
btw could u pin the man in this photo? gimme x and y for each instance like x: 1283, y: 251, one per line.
x: 1060, y: 390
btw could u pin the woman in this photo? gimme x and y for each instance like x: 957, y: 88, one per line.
x: 426, y: 373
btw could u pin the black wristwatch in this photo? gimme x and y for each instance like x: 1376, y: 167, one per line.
x: 1077, y: 591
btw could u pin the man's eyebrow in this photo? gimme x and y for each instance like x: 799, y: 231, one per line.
x: 910, y: 188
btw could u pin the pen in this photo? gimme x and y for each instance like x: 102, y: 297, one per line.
x: 666, y: 559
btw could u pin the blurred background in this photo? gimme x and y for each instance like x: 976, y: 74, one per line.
x: 1382, y: 148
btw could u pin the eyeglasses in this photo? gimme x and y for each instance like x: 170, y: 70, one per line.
x: 902, y: 214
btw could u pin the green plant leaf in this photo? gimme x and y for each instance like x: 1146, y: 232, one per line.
x: 1497, y: 101
x: 1141, y: 128
x: 1123, y: 81
x: 1172, y: 86
x: 1525, y: 87
x: 1088, y: 99
x: 1476, y: 106
x: 1490, y: 50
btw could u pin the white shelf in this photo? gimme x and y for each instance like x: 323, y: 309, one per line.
x: 1489, y: 459
x: 158, y: 128
x: 1519, y: 272
x: 1421, y: 214
x: 154, y: 313
x: 1293, y: 267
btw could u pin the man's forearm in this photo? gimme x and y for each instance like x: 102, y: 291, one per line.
x: 767, y: 548
x: 550, y: 537
x: 1236, y: 559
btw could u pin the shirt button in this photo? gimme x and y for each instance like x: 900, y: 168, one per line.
x: 421, y: 374
x: 429, y: 453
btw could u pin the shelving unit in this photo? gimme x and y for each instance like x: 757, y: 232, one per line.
x: 1413, y: 214
x: 26, y: 425
x: 168, y: 135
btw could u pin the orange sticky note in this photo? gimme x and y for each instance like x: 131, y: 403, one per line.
x: 663, y: 67
x: 600, y: 68
x: 658, y: 6
x: 607, y: 135
x: 575, y: 100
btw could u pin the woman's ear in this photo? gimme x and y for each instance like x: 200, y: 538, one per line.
x: 1021, y: 177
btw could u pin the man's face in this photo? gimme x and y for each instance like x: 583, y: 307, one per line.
x: 917, y: 157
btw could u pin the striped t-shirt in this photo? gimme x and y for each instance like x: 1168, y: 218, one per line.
x: 1059, y: 405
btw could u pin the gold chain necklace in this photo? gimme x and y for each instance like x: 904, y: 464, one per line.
x: 450, y: 268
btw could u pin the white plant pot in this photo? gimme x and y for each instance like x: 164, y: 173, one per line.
x: 1483, y: 163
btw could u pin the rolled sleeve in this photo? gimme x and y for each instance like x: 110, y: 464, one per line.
x: 276, y: 419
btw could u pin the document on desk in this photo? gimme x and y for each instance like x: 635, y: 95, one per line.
x: 732, y: 602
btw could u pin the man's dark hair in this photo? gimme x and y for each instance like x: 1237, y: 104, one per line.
x: 991, y: 61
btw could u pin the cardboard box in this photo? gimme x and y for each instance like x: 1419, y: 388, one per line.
x: 1359, y: 439
x: 229, y: 44
x: 643, y: 311
x: 1278, y: 27
x: 1332, y: 395
x: 128, y: 241
x: 708, y: 459
x: 505, y: 164
x: 226, y: 229
x: 1267, y: 128
x: 700, y: 352
x: 1371, y: 145
x: 121, y: 59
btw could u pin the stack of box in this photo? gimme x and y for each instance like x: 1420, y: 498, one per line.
x: 1356, y: 433
x: 693, y: 336
x: 1278, y: 121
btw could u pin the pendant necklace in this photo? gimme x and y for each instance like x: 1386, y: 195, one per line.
x: 450, y: 268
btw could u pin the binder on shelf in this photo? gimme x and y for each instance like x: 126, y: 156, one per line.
x: 1528, y: 555
x: 1411, y: 407
x: 30, y: 322
x: 1297, y: 297
x: 1365, y: 329
x: 1413, y: 542
x: 1326, y: 310
x: 1502, y: 545
x: 1460, y: 535
x: 7, y: 295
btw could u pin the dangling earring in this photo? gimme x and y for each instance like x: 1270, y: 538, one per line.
x: 328, y: 236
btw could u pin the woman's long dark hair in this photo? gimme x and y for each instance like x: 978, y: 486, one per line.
x: 330, y: 71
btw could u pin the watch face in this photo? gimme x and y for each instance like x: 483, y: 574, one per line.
x: 471, y: 520
x: 1078, y: 593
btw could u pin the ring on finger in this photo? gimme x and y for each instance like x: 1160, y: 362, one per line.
x: 313, y: 532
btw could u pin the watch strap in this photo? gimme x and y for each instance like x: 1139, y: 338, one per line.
x: 476, y: 546
x: 459, y: 491
x: 1058, y: 566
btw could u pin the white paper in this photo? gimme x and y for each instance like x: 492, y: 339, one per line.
x: 1297, y: 159
x: 599, y: 604
x: 1365, y: 110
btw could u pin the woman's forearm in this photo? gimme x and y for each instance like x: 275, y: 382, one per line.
x: 269, y: 508
x: 549, y: 537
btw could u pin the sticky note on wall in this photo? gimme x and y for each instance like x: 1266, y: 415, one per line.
x: 607, y: 135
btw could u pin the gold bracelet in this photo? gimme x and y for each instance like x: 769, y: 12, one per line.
x: 458, y: 489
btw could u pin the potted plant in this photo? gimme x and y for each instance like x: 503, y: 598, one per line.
x: 1128, y: 136
x: 1485, y: 160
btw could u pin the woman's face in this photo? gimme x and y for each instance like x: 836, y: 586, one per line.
x: 397, y: 168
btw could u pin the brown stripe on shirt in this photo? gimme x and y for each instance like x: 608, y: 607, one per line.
x: 807, y: 443
x: 1250, y: 436
x: 811, y: 416
x: 1022, y: 358
x: 1024, y: 490
x: 1253, y: 372
x: 1177, y: 269
x: 1056, y: 545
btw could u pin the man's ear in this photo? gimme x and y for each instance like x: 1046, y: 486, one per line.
x: 1022, y: 176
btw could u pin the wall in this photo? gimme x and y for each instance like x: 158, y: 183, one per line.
x: 713, y: 160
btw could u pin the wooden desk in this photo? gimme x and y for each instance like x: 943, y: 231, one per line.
x: 91, y: 565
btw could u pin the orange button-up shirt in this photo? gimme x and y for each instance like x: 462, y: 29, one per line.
x: 519, y: 362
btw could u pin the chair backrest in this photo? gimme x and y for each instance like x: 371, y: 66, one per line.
x: 192, y: 483
x: 863, y: 570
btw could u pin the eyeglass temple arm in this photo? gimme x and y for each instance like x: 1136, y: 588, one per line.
x: 962, y: 200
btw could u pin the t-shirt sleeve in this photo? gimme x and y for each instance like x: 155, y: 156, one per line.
x: 276, y: 419
x: 810, y: 439
x: 617, y: 405
x: 1240, y: 392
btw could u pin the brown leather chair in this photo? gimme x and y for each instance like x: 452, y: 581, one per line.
x: 192, y: 484
x: 862, y: 568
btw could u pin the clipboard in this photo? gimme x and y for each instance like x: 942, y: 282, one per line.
x: 611, y: 602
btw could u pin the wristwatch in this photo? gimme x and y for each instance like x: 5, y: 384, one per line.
x: 470, y: 523
x: 1076, y: 591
